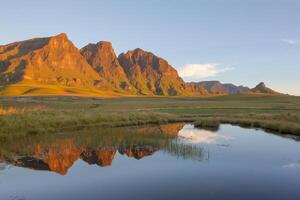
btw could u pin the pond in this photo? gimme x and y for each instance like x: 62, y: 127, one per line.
x: 173, y: 161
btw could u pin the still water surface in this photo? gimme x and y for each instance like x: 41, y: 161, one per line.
x: 174, y: 161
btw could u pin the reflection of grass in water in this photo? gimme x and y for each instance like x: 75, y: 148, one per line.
x: 154, y: 136
x: 208, y: 124
x: 90, y: 138
x: 184, y: 151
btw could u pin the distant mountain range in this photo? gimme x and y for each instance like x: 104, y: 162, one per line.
x: 54, y: 66
x: 216, y: 87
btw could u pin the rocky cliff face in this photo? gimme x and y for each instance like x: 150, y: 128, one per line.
x: 102, y: 58
x: 52, y: 60
x: 151, y: 75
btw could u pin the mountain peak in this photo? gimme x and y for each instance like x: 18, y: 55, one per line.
x: 101, y: 56
x: 59, y: 41
x: 262, y: 88
x: 62, y: 36
x: 104, y: 43
x: 261, y: 85
x: 138, y: 50
x: 51, y: 60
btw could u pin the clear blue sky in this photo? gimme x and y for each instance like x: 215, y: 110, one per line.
x: 238, y: 41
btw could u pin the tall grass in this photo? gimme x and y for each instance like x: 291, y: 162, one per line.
x: 12, y: 110
x: 282, y: 123
x: 207, y: 123
x: 34, y: 115
x: 50, y: 121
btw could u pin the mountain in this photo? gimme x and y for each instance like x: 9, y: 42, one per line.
x: 52, y: 60
x: 102, y: 58
x: 216, y: 87
x: 262, y: 88
x: 53, y: 65
x: 151, y: 75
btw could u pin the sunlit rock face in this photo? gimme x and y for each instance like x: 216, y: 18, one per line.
x: 101, y: 56
x: 151, y: 75
x: 53, y: 60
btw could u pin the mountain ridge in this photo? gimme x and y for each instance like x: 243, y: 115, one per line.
x: 55, y: 66
x: 216, y: 87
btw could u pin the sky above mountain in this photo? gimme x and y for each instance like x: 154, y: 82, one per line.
x: 242, y: 42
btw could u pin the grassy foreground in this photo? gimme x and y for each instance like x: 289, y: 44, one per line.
x: 55, y: 114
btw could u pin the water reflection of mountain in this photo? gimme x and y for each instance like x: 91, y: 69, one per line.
x: 58, y: 153
x: 62, y: 158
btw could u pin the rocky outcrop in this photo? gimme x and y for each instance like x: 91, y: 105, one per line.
x: 102, y: 58
x: 263, y: 89
x: 151, y: 75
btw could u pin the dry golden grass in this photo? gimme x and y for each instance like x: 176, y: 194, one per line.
x: 11, y: 110
x: 29, y: 89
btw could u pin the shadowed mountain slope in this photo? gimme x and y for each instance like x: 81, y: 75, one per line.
x: 216, y: 87
x: 262, y: 88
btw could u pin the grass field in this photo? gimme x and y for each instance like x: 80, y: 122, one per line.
x: 54, y: 114
x: 31, y: 89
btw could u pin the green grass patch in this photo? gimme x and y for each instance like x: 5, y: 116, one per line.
x: 59, y: 113
x: 208, y: 123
